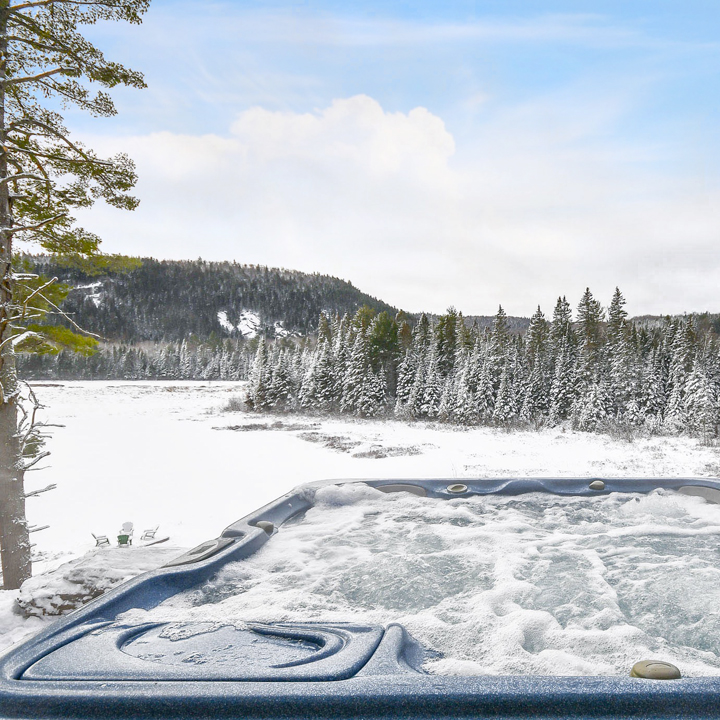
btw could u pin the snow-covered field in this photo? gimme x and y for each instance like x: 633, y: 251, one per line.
x: 168, y: 454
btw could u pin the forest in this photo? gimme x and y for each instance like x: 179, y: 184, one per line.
x: 600, y: 371
x: 167, y: 301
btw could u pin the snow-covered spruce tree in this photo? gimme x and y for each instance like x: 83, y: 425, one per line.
x: 445, y: 332
x: 385, y: 350
x: 485, y: 393
x: 465, y: 410
x: 620, y: 357
x: 44, y: 175
x: 505, y: 404
x: 681, y: 364
x: 702, y: 396
x: 405, y: 381
x: 307, y: 397
x: 498, y: 348
x: 326, y: 393
x: 591, y: 406
x: 364, y: 391
x: 433, y: 386
x: 590, y: 333
x: 281, y: 391
x: 563, y: 344
x: 536, y: 400
x: 260, y: 378
x: 652, y: 390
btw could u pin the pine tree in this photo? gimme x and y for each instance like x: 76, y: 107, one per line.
x: 464, y: 409
x: 497, y: 353
x: 617, y: 318
x: 563, y: 390
x: 260, y: 376
x: 354, y: 381
x: 44, y: 177
x: 485, y: 393
x: 702, y: 399
x: 681, y: 364
x: 590, y: 318
x: 536, y: 400
x: 561, y: 329
x: 447, y: 398
x: 433, y: 387
x: 406, y: 379
x: 445, y: 341
x: 307, y: 395
x: 505, y: 404
x: 325, y: 376
x: 280, y: 393
x: 590, y: 407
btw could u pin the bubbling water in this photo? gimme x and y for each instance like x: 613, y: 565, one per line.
x: 534, y: 584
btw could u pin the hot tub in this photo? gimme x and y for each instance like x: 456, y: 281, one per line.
x: 229, y: 630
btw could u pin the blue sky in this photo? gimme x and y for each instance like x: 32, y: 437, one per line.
x: 464, y: 153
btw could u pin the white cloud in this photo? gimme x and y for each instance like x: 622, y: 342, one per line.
x: 541, y: 204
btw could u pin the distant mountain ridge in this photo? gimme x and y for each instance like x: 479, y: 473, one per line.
x: 170, y: 300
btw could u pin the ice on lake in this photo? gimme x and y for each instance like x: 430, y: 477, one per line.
x: 532, y: 584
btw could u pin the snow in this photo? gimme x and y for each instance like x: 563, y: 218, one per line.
x: 222, y: 317
x: 280, y: 330
x: 167, y: 453
x: 536, y: 584
x: 248, y: 326
x: 96, y: 296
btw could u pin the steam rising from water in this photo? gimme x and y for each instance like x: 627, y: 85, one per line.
x: 533, y: 584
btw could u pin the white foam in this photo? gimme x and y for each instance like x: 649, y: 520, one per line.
x: 533, y: 584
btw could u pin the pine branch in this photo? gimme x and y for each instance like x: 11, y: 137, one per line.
x: 22, y: 176
x: 39, y: 76
x: 53, y: 486
x: 36, y: 226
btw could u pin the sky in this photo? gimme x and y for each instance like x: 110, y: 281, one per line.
x: 468, y: 153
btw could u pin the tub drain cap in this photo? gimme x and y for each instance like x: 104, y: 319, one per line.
x: 655, y: 670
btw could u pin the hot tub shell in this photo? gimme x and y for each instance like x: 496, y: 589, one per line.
x: 85, y: 665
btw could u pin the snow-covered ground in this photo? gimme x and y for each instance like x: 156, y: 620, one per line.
x: 167, y: 453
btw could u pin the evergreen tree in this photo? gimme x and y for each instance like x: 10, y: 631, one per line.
x: 445, y: 341
x: 433, y: 387
x: 681, y: 364
x: 464, y: 408
x: 590, y: 319
x: 505, y: 405
x: 561, y: 329
x: 702, y: 399
x: 485, y: 393
x: 406, y: 380
x: 259, y: 381
x: 325, y: 377
x: 562, y: 392
x: 590, y: 407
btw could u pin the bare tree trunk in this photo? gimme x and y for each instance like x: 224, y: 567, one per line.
x: 14, y: 535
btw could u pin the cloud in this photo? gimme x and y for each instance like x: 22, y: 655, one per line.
x: 541, y: 203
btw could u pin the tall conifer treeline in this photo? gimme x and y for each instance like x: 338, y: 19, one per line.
x: 597, y: 371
